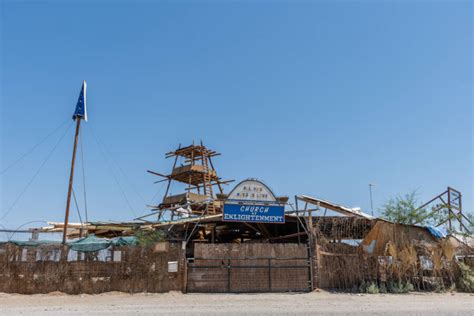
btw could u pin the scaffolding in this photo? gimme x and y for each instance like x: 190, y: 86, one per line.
x: 448, y: 207
x: 195, y: 170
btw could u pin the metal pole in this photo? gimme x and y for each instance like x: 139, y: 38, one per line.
x: 371, y: 202
x: 71, y: 177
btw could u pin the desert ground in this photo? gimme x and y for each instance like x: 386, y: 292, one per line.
x: 315, y: 303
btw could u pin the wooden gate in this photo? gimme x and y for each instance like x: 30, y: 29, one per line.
x: 236, y: 273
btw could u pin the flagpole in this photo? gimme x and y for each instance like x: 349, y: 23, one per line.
x: 71, y: 177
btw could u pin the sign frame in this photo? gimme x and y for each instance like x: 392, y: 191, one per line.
x: 257, y: 199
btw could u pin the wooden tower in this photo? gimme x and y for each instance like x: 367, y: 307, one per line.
x: 197, y: 172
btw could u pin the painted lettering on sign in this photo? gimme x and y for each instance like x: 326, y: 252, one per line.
x: 254, y: 213
x: 252, y: 190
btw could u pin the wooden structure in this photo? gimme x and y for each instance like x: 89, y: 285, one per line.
x: 448, y: 206
x: 196, y: 171
x: 35, y: 270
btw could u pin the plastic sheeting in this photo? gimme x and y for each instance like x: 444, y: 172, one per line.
x: 88, y: 244
x: 31, y: 243
x: 435, y: 232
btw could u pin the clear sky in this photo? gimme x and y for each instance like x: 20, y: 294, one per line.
x: 317, y: 98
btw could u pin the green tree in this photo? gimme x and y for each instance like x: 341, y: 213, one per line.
x: 470, y: 224
x: 149, y: 238
x: 404, y: 210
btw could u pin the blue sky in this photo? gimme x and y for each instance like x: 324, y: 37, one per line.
x: 317, y: 98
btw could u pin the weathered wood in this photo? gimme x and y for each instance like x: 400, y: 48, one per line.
x: 71, y: 179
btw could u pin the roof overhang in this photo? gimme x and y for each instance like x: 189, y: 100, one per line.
x: 334, y: 207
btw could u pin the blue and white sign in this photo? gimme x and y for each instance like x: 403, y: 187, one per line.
x: 254, y: 213
x: 253, y: 201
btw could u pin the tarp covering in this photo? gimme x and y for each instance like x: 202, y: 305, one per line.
x: 435, y: 232
x: 125, y: 241
x: 30, y: 243
x: 90, y: 243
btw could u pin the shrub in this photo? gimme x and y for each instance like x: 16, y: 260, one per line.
x: 466, y: 280
x: 373, y: 288
x: 369, y: 288
x: 409, y: 287
x: 439, y: 288
x: 149, y: 238
x: 399, y: 287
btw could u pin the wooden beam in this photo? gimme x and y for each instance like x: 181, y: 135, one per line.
x: 158, y: 174
x: 71, y: 178
x: 289, y: 236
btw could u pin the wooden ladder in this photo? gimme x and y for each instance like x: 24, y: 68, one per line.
x: 207, y: 185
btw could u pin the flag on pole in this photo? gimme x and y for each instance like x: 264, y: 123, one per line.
x: 81, y: 111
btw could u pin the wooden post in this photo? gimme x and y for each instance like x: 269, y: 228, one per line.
x: 269, y: 275
x: 213, y: 231
x: 185, y: 279
x: 310, y: 218
x: 298, y: 219
x: 168, y: 187
x: 71, y: 177
x: 316, y: 266
x: 228, y: 275
x: 218, y: 182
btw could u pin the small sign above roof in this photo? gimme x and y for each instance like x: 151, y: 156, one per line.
x: 252, y: 190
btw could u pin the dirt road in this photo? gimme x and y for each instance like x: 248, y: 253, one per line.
x: 237, y: 304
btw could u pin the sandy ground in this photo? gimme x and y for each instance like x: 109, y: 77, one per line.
x: 237, y: 304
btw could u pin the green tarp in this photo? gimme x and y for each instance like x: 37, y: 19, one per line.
x: 36, y: 243
x: 125, y: 241
x: 88, y: 244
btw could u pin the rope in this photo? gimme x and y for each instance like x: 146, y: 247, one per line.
x: 84, y: 178
x: 113, y: 174
x: 24, y: 224
x: 152, y: 199
x: 35, y: 175
x: 33, y: 148
x: 77, y: 207
x: 6, y: 234
x: 111, y: 158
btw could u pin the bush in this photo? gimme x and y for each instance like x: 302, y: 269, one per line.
x: 439, y: 288
x: 399, y: 287
x: 409, y: 287
x: 466, y: 280
x: 373, y: 288
x: 369, y: 288
x: 149, y: 238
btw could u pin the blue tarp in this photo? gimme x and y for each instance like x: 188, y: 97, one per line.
x: 435, y: 232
